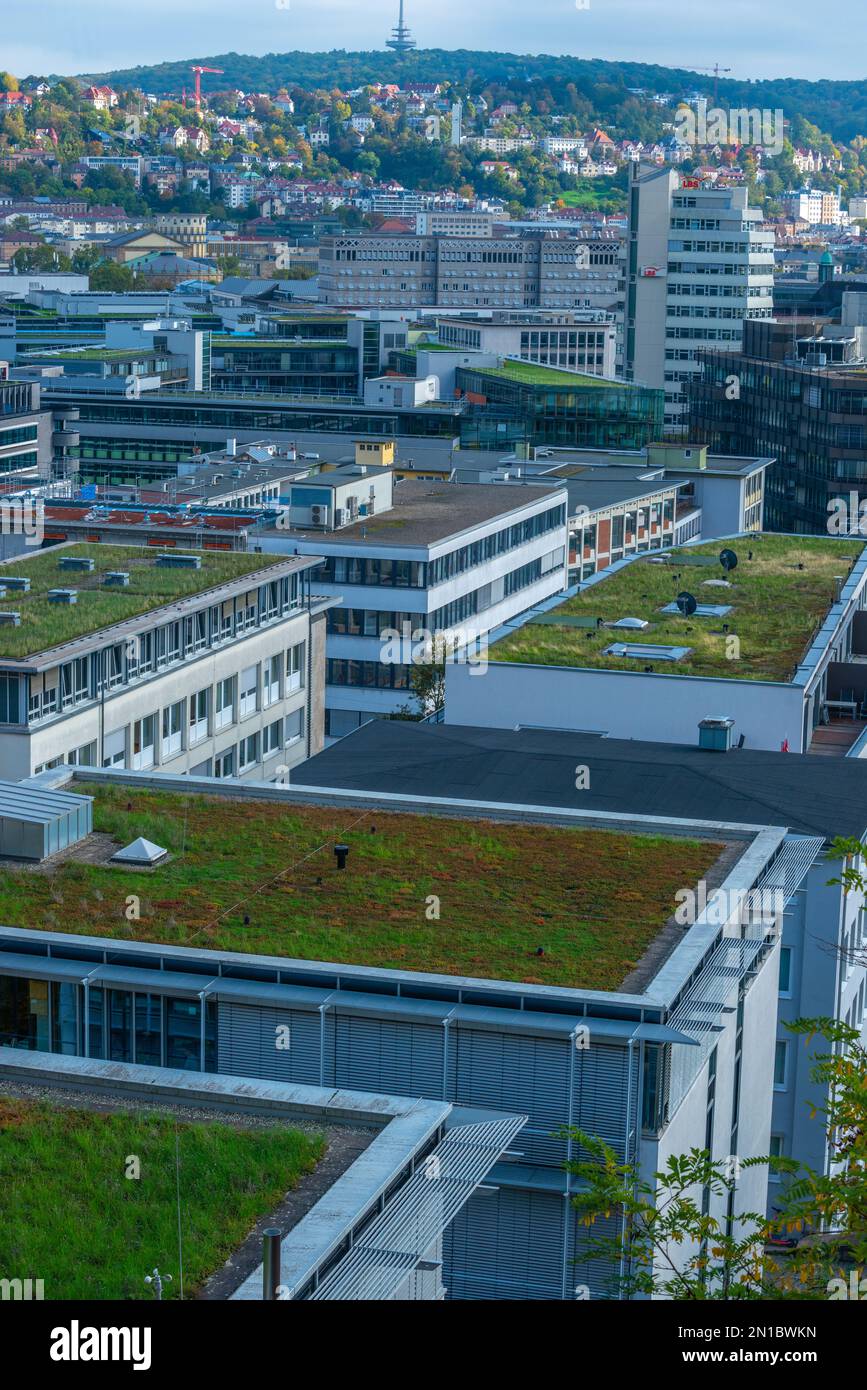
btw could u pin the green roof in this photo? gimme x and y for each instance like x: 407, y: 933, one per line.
x: 45, y: 625
x: 534, y: 374
x: 776, y: 610
x: 101, y: 354
x: 260, y: 876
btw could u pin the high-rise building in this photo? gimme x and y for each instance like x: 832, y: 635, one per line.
x: 698, y: 264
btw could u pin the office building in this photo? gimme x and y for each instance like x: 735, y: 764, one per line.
x: 127, y: 657
x: 627, y: 1040
x: 699, y: 263
x: 821, y: 968
x: 580, y: 341
x: 796, y: 391
x: 414, y: 557
x: 772, y: 646
x: 532, y: 271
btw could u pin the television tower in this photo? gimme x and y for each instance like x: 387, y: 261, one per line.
x: 401, y: 40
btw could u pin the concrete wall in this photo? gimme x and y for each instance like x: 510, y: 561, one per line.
x: 623, y: 704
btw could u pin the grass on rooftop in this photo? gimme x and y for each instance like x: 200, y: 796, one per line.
x: 70, y: 1216
x: 536, y: 374
x: 776, y: 611
x: 45, y: 624
x: 593, y: 900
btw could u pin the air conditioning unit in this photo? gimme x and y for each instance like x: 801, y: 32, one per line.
x: 338, y: 516
x: 319, y: 515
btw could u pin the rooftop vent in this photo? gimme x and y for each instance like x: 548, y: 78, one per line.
x: 18, y: 583
x: 116, y: 579
x: 77, y: 562
x: 63, y: 596
x: 10, y: 619
x: 715, y: 733
x: 179, y: 562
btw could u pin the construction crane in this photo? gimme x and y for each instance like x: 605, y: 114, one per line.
x: 716, y: 70
x: 198, y: 69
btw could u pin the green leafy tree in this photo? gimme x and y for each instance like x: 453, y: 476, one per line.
x: 667, y: 1245
x: 110, y: 276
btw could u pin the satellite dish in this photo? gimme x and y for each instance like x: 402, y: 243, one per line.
x: 728, y: 559
x: 686, y: 603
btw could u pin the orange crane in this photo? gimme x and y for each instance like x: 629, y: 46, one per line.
x: 198, y: 69
x: 716, y: 70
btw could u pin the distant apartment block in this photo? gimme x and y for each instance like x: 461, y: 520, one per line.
x: 515, y: 272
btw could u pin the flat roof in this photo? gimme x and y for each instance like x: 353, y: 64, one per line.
x: 534, y: 374
x: 611, y: 459
x: 470, y: 897
x: 596, y: 493
x: 810, y: 795
x: 46, y: 626
x: 781, y: 592
x: 424, y: 513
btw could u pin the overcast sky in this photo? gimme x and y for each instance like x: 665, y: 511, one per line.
x: 776, y: 38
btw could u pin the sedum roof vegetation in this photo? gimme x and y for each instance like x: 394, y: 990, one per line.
x: 535, y: 374
x: 780, y: 593
x: 45, y: 625
x: 592, y: 900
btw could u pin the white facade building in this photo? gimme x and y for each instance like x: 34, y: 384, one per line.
x: 698, y: 264
x: 445, y: 558
x: 223, y: 682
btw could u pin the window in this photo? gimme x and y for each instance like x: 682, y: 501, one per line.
x: 295, y: 667
x: 173, y: 724
x: 272, y: 738
x: 85, y: 756
x: 224, y: 764
x: 785, y: 981
x: 248, y: 752
x: 9, y: 696
x: 144, y: 733
x: 775, y: 1151
x: 183, y: 1031
x: 225, y: 702
x: 781, y: 1058
x: 114, y: 749
x: 199, y: 715
x: 271, y: 681
x: 294, y: 726
x: 247, y: 692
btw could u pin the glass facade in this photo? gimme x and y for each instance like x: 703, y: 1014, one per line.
x: 123, y: 1025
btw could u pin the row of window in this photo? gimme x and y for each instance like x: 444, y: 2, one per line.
x: 83, y: 679
x: 257, y: 748
x: 373, y: 674
x: 189, y: 721
x: 119, y: 1025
